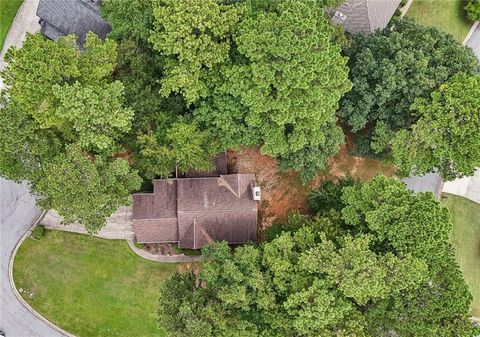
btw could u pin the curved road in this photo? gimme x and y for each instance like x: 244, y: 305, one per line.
x: 18, y: 211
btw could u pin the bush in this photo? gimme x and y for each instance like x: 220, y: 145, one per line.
x: 328, y: 196
x: 37, y: 232
x: 473, y: 9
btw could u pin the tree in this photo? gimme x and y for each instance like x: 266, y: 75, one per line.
x: 182, y: 146
x: 196, y: 37
x: 85, y: 189
x: 391, y: 68
x: 377, y: 279
x: 446, y: 136
x: 62, y: 121
x: 472, y: 8
x: 290, y: 76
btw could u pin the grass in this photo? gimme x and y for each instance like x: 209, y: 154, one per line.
x: 90, y: 286
x: 466, y: 239
x: 447, y: 15
x: 8, y: 9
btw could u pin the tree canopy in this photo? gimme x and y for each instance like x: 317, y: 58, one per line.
x: 385, y: 273
x: 391, y: 68
x: 446, y: 137
x: 63, y: 116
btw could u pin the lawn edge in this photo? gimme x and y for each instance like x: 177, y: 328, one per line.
x: 470, y: 32
x: 14, y: 288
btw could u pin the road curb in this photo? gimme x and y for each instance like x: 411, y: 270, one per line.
x: 14, y: 288
x: 470, y: 32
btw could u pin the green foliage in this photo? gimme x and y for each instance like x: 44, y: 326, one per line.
x: 62, y: 119
x: 394, y: 275
x: 292, y: 78
x: 312, y: 158
x: 37, y: 232
x: 129, y: 19
x: 446, y: 137
x: 472, y: 8
x: 393, y: 67
x: 85, y: 189
x: 328, y: 196
x: 196, y: 37
x: 183, y: 146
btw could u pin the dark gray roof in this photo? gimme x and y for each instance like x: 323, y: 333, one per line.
x: 64, y: 17
x: 364, y: 16
x: 430, y: 182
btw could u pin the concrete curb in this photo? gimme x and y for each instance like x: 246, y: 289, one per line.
x: 12, y: 282
x: 162, y: 258
x: 405, y: 8
x: 470, y: 32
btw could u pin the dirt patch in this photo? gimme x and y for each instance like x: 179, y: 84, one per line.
x: 283, y: 192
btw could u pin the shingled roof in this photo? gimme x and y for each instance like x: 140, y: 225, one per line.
x: 197, y: 211
x: 64, y: 17
x: 364, y: 16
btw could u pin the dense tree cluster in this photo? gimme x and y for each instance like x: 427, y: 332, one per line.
x: 446, y: 136
x: 62, y: 119
x: 392, y: 68
x: 388, y: 270
x: 246, y: 72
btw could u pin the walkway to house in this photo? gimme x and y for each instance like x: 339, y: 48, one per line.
x: 119, y: 225
x: 163, y: 258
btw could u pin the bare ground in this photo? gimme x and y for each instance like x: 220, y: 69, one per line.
x: 283, y: 192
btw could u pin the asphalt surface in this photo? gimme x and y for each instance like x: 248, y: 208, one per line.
x: 474, y: 41
x: 18, y: 211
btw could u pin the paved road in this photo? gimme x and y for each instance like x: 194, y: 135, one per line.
x: 474, y: 41
x: 17, y: 213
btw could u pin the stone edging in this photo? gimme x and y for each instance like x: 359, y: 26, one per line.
x: 15, y: 291
x: 470, y: 32
x: 162, y: 258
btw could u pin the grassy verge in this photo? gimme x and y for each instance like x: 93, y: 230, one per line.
x: 466, y: 239
x: 89, y: 286
x: 8, y: 9
x: 447, y: 15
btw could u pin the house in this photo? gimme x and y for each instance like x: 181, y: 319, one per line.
x: 364, y: 16
x: 63, y: 17
x: 197, y: 210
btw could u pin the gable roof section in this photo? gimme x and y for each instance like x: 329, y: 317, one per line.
x: 64, y: 17
x: 197, y: 211
x: 364, y: 16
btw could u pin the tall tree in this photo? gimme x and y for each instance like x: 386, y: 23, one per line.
x: 196, y: 36
x: 289, y: 74
x: 62, y: 119
x: 393, y: 67
x: 446, y: 137
x: 85, y: 189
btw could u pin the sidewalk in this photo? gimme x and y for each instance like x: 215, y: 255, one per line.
x: 26, y: 21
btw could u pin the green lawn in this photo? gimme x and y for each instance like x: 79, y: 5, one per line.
x: 8, y: 9
x: 466, y: 239
x: 447, y: 15
x: 89, y: 286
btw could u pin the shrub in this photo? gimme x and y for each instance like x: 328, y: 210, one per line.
x: 473, y: 10
x: 37, y: 232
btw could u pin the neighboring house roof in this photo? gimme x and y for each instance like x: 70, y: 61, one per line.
x: 197, y: 211
x: 430, y: 182
x: 64, y: 17
x: 364, y: 16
